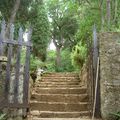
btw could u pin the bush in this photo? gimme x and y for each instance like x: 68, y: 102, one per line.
x: 50, y: 62
x: 78, y: 55
x: 66, y: 64
x: 36, y: 63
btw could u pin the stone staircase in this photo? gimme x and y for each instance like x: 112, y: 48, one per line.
x: 59, y: 95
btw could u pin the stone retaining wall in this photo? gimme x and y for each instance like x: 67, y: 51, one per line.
x: 109, y: 73
x: 83, y: 75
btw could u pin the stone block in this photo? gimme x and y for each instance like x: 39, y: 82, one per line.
x: 109, y: 73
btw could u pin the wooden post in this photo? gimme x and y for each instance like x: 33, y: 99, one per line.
x: 16, y: 80
x: 96, y: 89
x: 17, y: 68
x: 3, y: 27
x: 95, y: 58
x: 26, y: 76
x: 8, y: 69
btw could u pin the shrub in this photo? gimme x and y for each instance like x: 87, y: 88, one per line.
x: 66, y: 64
x: 50, y: 63
x: 36, y: 63
x: 78, y: 55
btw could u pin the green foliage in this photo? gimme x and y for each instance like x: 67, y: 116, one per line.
x: 50, y: 62
x: 36, y: 63
x: 88, y: 17
x: 64, y: 25
x: 6, y: 7
x: 116, y: 115
x: 70, y: 23
x: 78, y: 55
x: 30, y: 13
x: 66, y: 64
x: 40, y: 36
x: 63, y: 21
x: 3, y: 116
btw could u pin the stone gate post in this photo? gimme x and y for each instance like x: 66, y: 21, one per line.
x: 109, y: 73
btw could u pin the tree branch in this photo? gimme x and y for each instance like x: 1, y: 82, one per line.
x: 13, y: 16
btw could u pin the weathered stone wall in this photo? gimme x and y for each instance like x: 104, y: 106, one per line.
x: 83, y: 75
x: 109, y: 73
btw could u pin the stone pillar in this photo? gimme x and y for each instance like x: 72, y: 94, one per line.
x: 109, y: 73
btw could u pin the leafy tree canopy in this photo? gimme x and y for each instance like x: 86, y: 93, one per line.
x: 40, y: 25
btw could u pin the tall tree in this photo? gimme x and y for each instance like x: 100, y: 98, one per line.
x: 108, y: 12
x: 40, y: 25
x: 63, y: 25
x: 14, y: 11
x: 13, y: 16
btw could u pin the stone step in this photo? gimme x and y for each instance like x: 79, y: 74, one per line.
x: 58, y: 86
x: 62, y: 90
x: 61, y: 74
x: 67, y: 98
x: 52, y: 114
x: 61, y: 107
x: 59, y: 77
x: 58, y: 83
x: 59, y: 80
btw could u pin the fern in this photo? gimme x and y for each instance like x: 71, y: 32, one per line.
x: 2, y: 116
x: 78, y: 55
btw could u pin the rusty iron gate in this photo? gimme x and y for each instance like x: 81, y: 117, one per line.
x: 11, y: 55
x: 93, y: 54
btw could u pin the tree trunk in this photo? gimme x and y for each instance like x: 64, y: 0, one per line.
x: 108, y: 13
x: 13, y: 16
x: 58, y: 58
x: 115, y: 10
x: 58, y: 45
x: 102, y: 15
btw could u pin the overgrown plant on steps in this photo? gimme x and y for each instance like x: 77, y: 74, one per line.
x: 116, y: 115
